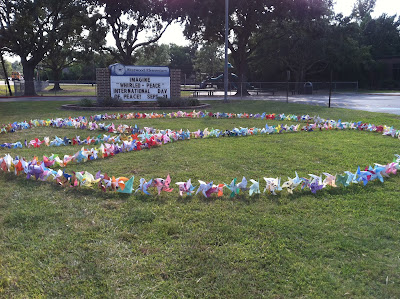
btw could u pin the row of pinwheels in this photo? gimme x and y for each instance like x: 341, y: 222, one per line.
x: 167, y: 135
x: 91, y: 122
x: 138, y: 139
x: 40, y: 170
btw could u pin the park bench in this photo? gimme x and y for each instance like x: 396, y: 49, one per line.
x: 196, y: 91
x: 264, y: 90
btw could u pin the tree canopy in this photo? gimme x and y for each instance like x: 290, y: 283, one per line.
x: 129, y: 20
x: 30, y: 29
x: 205, y: 21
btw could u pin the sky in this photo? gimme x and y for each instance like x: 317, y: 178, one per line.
x: 174, y: 33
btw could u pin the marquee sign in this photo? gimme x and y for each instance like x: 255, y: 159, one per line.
x: 139, y: 83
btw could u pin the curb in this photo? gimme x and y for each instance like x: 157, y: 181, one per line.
x: 76, y: 107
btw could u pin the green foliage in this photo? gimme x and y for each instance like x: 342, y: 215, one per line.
x: 362, y: 9
x: 246, y: 20
x: 177, y: 102
x: 382, y: 35
x: 182, y: 58
x: 153, y: 55
x: 209, y: 59
x: 31, y: 29
x: 109, y: 102
x: 17, y: 66
x: 8, y: 67
x: 85, y: 102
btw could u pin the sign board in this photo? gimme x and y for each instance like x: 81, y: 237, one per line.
x: 139, y: 83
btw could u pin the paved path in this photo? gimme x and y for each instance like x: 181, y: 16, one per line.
x: 389, y: 103
x: 45, y: 98
x: 385, y: 102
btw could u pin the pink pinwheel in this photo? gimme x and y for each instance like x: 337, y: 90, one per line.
x: 162, y: 185
x: 35, y: 143
x: 185, y: 187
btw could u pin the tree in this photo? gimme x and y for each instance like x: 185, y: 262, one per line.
x: 30, y: 28
x: 84, y: 37
x: 128, y: 20
x: 8, y: 67
x: 86, y: 69
x: 17, y: 66
x: 205, y: 21
x: 302, y: 48
x: 153, y: 55
x: 209, y: 59
x: 362, y: 9
x: 182, y: 58
x: 382, y: 34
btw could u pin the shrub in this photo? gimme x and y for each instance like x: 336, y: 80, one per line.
x: 177, y: 102
x: 85, y: 102
x: 110, y: 102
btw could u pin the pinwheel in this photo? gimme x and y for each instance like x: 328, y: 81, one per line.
x: 233, y: 188
x: 242, y: 185
x: 162, y: 184
x: 204, y: 187
x: 144, y: 186
x: 6, y: 163
x: 86, y: 179
x: 37, y: 171
x: 216, y: 189
x: 57, y: 141
x: 316, y: 185
x: 185, y: 187
x: 342, y: 180
x: 292, y: 184
x: 363, y: 176
x: 254, y: 188
x: 351, y: 178
x: 16, y: 145
x: 35, y: 143
x: 18, y: 167
x: 125, y: 185
x: 273, y: 185
x: 329, y: 180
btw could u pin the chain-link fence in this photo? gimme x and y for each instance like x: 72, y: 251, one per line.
x: 19, y: 87
x: 273, y: 88
x: 50, y: 88
x: 88, y: 88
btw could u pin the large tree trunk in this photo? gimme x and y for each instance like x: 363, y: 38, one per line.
x: 29, y: 74
x: 57, y: 77
x: 300, y: 79
x: 242, y: 68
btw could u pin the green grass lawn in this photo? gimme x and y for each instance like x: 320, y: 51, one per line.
x: 379, y: 91
x: 341, y: 242
x: 70, y: 90
x: 4, y: 89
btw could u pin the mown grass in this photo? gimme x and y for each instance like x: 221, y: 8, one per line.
x: 4, y: 89
x: 70, y: 90
x: 59, y: 242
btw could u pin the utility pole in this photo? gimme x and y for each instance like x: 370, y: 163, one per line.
x: 330, y: 90
x: 226, y: 75
x: 5, y: 73
x: 287, y: 85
